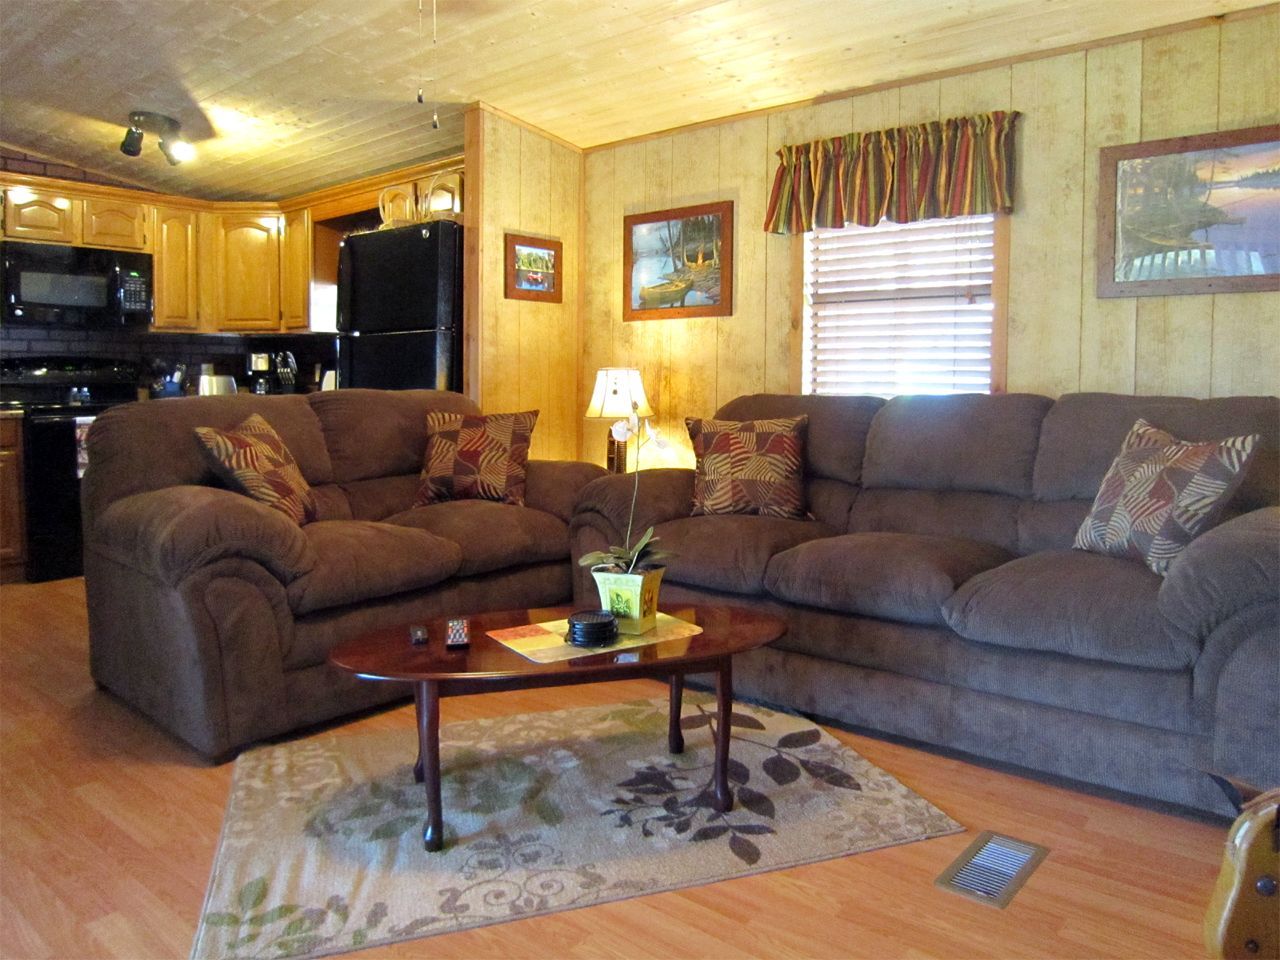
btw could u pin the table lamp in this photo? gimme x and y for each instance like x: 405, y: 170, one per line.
x: 616, y: 389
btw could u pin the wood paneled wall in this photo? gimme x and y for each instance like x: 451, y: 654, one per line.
x: 522, y: 355
x: 1061, y: 337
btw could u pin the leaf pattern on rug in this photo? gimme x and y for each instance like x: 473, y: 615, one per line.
x: 321, y: 851
x: 663, y: 796
x: 289, y: 929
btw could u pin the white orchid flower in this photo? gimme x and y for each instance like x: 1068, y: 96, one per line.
x: 621, y: 431
x: 655, y: 435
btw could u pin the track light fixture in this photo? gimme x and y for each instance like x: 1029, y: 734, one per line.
x: 175, y: 149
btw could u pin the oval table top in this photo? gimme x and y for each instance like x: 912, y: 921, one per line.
x: 388, y: 654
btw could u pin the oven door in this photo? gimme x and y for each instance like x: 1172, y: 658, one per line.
x: 49, y: 284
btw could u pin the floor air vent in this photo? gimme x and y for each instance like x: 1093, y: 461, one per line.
x: 992, y: 869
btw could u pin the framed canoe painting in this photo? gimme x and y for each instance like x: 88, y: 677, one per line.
x: 534, y: 269
x: 1190, y: 215
x: 678, y: 263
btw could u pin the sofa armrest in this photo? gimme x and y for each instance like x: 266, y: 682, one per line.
x: 1225, y: 571
x: 171, y: 532
x: 665, y: 494
x: 553, y: 485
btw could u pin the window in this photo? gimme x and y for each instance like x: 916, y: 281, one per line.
x: 902, y: 308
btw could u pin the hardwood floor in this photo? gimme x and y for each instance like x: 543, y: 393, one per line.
x: 108, y: 828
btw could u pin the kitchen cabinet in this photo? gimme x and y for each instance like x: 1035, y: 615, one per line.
x: 295, y: 270
x: 175, y: 270
x: 60, y: 217
x: 114, y: 223
x: 239, y: 271
x: 420, y: 200
x: 398, y: 204
x: 41, y: 215
x: 12, y: 516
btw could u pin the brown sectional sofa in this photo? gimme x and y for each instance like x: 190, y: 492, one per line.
x: 934, y: 593
x: 213, y: 614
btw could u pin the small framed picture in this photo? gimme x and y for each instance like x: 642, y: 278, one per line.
x: 534, y: 268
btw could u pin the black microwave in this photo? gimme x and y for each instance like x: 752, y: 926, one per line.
x: 50, y: 284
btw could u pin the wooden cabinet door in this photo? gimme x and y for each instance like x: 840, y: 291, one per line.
x: 240, y: 262
x: 295, y: 270
x: 175, y: 270
x: 115, y: 223
x: 41, y: 215
x: 12, y: 519
x: 398, y: 204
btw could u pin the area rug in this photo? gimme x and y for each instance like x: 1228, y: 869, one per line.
x: 321, y: 847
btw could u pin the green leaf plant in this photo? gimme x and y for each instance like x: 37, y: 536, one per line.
x: 643, y: 555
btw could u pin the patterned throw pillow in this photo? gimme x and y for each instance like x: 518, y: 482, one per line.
x: 1161, y: 493
x: 749, y: 466
x: 474, y: 457
x: 252, y: 458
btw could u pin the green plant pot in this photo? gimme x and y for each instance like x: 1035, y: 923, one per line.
x: 631, y: 597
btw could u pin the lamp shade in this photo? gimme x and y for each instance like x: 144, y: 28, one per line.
x: 615, y: 390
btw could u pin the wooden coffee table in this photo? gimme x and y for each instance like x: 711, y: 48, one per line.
x: 486, y: 666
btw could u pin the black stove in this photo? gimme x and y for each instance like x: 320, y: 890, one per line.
x: 59, y: 397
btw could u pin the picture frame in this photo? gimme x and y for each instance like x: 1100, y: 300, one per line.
x: 533, y: 268
x: 1190, y: 215
x: 660, y: 281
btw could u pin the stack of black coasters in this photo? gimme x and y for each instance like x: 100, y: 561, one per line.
x: 592, y: 628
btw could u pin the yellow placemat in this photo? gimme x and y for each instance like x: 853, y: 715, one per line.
x: 545, y: 642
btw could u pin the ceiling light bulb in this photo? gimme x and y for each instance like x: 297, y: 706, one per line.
x: 177, y: 151
x: 131, y: 145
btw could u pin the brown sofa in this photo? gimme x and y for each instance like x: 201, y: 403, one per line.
x: 934, y: 594
x: 213, y: 614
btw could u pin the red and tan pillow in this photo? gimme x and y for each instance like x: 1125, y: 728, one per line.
x: 474, y: 457
x: 252, y: 458
x: 749, y: 466
x: 1161, y: 493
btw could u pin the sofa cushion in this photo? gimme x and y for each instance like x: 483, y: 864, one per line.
x: 1160, y: 493
x: 476, y: 457
x: 730, y: 553
x: 253, y: 459
x: 378, y: 433
x: 963, y: 442
x: 1083, y: 431
x: 836, y: 433
x: 894, y: 576
x: 361, y: 560
x: 492, y: 536
x: 748, y: 466
x: 1070, y: 602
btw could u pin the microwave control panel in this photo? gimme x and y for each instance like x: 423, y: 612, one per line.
x: 135, y: 294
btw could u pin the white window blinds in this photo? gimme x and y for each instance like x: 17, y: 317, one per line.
x: 900, y: 308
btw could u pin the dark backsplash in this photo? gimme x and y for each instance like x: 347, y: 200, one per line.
x: 228, y: 350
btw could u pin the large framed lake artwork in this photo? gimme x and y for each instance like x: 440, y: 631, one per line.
x: 678, y: 263
x: 1194, y: 214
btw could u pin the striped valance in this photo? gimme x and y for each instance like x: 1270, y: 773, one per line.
x: 951, y: 168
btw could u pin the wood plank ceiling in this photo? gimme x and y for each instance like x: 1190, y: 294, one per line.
x: 286, y: 96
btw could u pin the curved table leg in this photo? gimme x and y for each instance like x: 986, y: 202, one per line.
x: 724, y: 707
x: 417, y: 713
x: 675, y: 736
x: 429, y: 751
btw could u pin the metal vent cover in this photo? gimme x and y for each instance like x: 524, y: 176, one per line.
x: 992, y: 869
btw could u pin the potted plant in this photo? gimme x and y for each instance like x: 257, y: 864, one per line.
x: 628, y: 576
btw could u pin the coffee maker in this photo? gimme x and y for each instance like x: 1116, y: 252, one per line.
x: 272, y: 372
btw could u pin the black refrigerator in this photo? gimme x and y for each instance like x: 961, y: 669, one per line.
x: 400, y: 308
